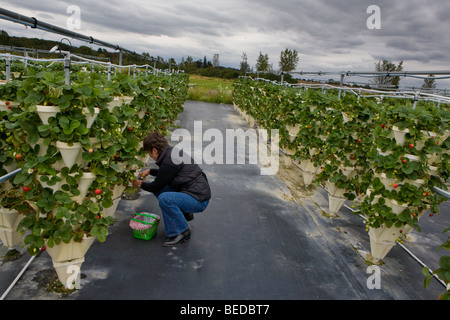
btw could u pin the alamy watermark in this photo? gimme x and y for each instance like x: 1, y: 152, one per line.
x: 73, y: 281
x: 374, y: 21
x: 73, y: 22
x: 374, y: 281
x: 235, y: 146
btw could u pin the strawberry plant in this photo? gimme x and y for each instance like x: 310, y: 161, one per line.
x: 388, y: 148
x: 48, y: 191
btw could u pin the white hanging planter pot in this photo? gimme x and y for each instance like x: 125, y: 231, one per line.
x: 90, y: 118
x: 412, y: 157
x: 114, y: 103
x: 45, y: 112
x: 335, y: 203
x: 387, y: 182
x: 95, y: 142
x: 69, y: 272
x: 377, y: 197
x: 84, y: 184
x: 10, y: 237
x: 122, y: 166
x: 433, y: 158
x: 345, y: 117
x: 80, y: 162
x: 7, y: 107
x: 68, y: 152
x: 109, y: 212
x: 58, y: 165
x: 118, y: 190
x: 42, y: 147
x: 141, y: 114
x: 398, y: 208
x: 434, y: 171
x: 11, y: 167
x: 308, y: 177
x: 399, y: 135
x: 44, y: 184
x: 308, y: 166
x: 118, y: 101
x: 288, y: 151
x: 70, y: 251
x: 293, y: 129
x: 313, y: 151
x: 384, y: 153
x: 349, y: 172
x: 127, y: 99
x: 418, y: 182
x: 333, y: 190
x: 10, y: 218
x: 382, y: 239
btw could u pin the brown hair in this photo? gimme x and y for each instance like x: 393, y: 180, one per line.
x: 155, y: 140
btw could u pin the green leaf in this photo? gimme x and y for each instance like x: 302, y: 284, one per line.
x: 94, y: 208
x: 100, y: 233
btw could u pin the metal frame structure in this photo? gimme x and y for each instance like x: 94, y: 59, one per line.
x: 37, y: 24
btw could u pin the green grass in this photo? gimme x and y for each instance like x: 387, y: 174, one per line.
x: 207, y: 89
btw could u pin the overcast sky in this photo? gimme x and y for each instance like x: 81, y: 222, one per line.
x: 330, y: 35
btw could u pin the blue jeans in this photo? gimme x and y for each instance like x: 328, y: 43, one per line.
x: 173, y: 205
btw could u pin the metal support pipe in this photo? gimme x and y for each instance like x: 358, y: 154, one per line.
x: 341, y: 84
x: 441, y: 192
x: 34, y: 23
x: 9, y: 175
x: 8, y: 67
x: 120, y: 59
x: 17, y: 278
x: 67, y: 67
x: 109, y: 71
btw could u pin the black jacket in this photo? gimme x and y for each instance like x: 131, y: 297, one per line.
x: 186, y: 178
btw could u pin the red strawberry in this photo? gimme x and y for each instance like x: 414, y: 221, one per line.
x: 98, y: 191
x: 395, y: 185
x: 25, y: 188
x: 411, y: 146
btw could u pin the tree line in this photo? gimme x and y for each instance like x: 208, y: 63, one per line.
x: 288, y: 62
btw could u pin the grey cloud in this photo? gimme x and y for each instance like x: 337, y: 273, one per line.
x: 413, y: 30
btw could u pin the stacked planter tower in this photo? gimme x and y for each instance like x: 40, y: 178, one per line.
x: 385, y: 154
x: 78, y: 146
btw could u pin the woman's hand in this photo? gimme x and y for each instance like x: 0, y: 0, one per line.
x: 137, y: 183
x: 144, y: 173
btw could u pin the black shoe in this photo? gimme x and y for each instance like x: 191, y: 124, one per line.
x: 189, y: 216
x: 178, y: 239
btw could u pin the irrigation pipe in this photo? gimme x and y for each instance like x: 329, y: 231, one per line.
x: 401, y: 245
x: 3, y: 179
x: 17, y: 278
x: 9, y: 175
x: 378, y: 93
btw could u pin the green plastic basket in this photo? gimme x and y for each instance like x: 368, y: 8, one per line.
x: 144, y: 218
